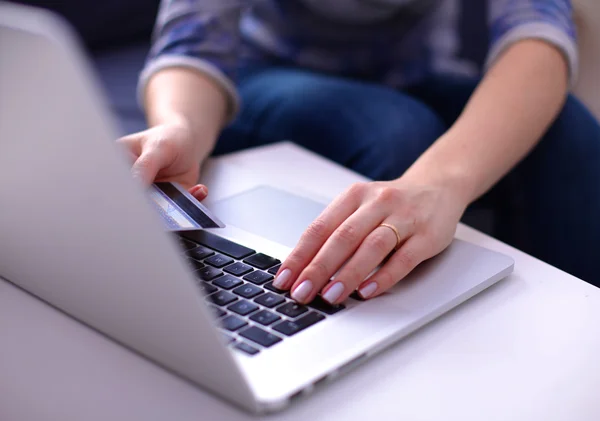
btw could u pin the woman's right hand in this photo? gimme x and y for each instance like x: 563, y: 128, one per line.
x: 166, y: 152
x: 186, y: 111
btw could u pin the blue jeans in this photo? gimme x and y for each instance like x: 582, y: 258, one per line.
x: 548, y: 206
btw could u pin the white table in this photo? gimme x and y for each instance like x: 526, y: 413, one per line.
x: 526, y: 349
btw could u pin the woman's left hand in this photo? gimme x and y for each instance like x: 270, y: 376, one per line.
x: 351, y: 237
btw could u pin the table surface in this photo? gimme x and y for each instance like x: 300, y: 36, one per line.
x: 526, y: 349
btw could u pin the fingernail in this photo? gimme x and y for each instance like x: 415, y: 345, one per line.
x: 202, y: 190
x: 368, y: 290
x: 282, y: 279
x: 334, y: 293
x: 303, y: 291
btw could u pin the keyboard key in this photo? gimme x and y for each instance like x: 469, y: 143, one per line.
x: 261, y: 261
x: 269, y: 300
x: 187, y: 244
x: 218, y: 312
x: 356, y: 296
x: 323, y: 306
x: 208, y: 288
x: 258, y: 277
x: 228, y: 282
x: 232, y: 323
x: 208, y: 273
x: 218, y: 261
x: 196, y: 265
x: 256, y: 334
x: 238, y: 269
x: 265, y: 317
x: 274, y: 269
x: 200, y: 253
x: 290, y: 328
x: 243, y: 346
x: 248, y: 291
x: 292, y: 310
x: 228, y: 339
x: 270, y: 287
x: 243, y: 307
x: 219, y: 244
x: 222, y: 298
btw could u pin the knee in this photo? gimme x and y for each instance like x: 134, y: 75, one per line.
x: 398, y: 136
x: 575, y: 132
x: 371, y: 129
x: 569, y: 152
x: 378, y: 137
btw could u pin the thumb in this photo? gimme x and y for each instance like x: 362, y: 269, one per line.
x: 147, y: 166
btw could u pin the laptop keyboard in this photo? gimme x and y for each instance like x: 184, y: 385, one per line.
x: 238, y: 283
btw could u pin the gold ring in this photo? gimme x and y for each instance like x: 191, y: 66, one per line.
x: 398, y: 238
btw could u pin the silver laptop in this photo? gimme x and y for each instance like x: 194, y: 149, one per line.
x: 79, y: 233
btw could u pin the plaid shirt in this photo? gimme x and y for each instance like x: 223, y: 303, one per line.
x: 395, y: 42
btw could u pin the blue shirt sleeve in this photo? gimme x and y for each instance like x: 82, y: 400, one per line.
x: 548, y: 20
x: 199, y: 34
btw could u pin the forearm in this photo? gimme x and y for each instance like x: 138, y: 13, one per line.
x: 505, y: 118
x: 185, y: 97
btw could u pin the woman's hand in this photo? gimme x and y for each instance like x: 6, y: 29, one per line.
x: 186, y: 111
x: 349, y: 237
x: 166, y: 152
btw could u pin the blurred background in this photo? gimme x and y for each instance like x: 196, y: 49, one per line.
x: 116, y: 34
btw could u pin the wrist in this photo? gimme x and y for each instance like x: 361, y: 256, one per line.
x: 178, y: 96
x: 455, y: 178
x: 197, y: 128
x: 196, y: 137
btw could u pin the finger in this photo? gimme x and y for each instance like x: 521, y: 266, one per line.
x: 133, y: 143
x: 371, y: 253
x: 316, y: 234
x: 147, y: 166
x: 338, y: 248
x: 414, y: 251
x: 199, y: 191
x: 132, y: 157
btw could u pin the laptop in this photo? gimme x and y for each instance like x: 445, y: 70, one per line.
x: 79, y: 233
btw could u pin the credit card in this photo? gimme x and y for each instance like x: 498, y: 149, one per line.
x: 179, y: 210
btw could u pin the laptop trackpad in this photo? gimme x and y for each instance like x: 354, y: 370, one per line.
x: 274, y: 214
